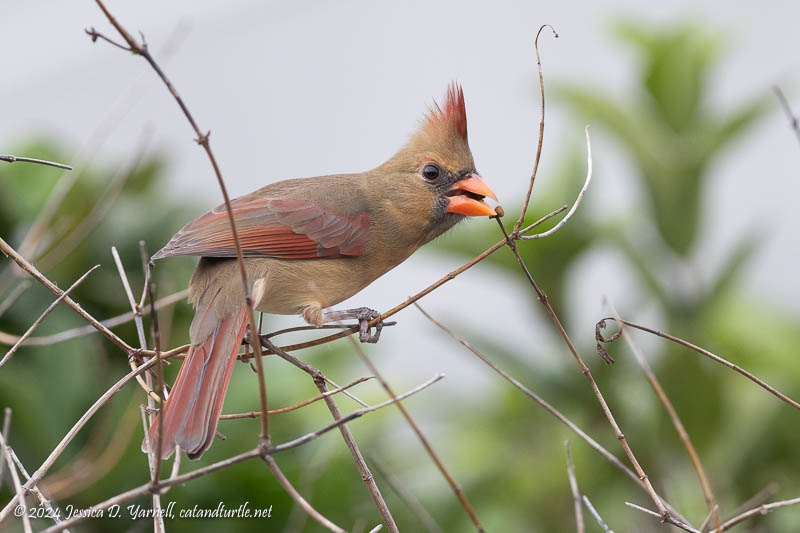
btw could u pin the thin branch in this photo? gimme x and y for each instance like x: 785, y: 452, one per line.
x: 596, y: 515
x: 58, y: 450
x: 33, y: 271
x: 705, y: 485
x: 407, y: 497
x: 707, y: 519
x: 575, y: 205
x: 757, y: 499
x: 44, y: 315
x: 542, y: 297
x: 668, y: 519
x: 154, y: 454
x: 761, y: 383
x: 760, y: 510
x: 794, y: 123
x: 47, y: 340
x: 43, y: 501
x: 256, y: 414
x: 14, y: 159
x: 542, y: 402
x: 203, y: 140
x: 576, y: 497
x: 142, y: 490
x: 158, y: 520
x: 541, y: 127
x: 137, y: 319
x: 156, y: 335
x: 4, y: 435
x: 542, y: 220
x: 26, y: 521
x: 342, y: 420
x: 457, y: 490
x: 323, y: 326
x: 299, y: 500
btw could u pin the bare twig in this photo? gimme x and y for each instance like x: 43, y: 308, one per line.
x: 549, y: 408
x: 299, y: 500
x: 158, y: 520
x: 47, y: 340
x: 342, y: 420
x: 59, y: 449
x: 596, y: 515
x: 33, y: 271
x: 669, y: 519
x: 14, y: 159
x: 576, y: 497
x: 408, y: 498
x: 26, y: 521
x: 705, y: 485
x: 760, y: 510
x: 137, y: 319
x: 542, y: 297
x: 141, y: 490
x: 761, y: 383
x: 44, y: 314
x: 43, y: 501
x: 314, y: 328
x: 757, y: 499
x: 575, y: 205
x: 793, y: 121
x: 256, y: 414
x: 707, y: 519
x: 203, y: 140
x: 541, y: 128
x: 4, y: 434
x: 156, y: 335
x: 457, y: 490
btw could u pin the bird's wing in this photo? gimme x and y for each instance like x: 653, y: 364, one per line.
x: 272, y: 227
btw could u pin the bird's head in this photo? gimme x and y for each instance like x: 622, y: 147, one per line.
x: 435, y: 170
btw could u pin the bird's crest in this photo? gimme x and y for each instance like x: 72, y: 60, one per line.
x: 452, y: 115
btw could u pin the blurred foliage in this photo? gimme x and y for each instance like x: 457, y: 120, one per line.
x: 506, y: 452
x: 670, y: 129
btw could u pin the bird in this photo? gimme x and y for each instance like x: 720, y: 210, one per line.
x: 309, y: 244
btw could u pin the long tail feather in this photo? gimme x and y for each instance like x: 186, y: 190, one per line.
x: 190, y: 415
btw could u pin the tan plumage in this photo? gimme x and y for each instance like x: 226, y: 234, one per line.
x: 310, y: 244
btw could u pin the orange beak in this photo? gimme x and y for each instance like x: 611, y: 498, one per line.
x: 466, y: 197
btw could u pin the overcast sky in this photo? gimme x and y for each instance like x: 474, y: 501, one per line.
x: 304, y: 88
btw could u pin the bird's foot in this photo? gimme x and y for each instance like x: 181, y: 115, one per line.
x: 248, y: 338
x: 365, y: 315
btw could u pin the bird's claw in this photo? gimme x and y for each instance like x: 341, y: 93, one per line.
x: 365, y: 316
x: 247, y: 337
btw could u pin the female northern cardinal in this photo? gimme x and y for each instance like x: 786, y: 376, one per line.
x: 309, y: 244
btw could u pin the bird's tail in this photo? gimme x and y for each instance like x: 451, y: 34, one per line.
x: 190, y: 415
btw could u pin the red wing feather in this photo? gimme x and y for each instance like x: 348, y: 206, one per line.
x: 286, y: 229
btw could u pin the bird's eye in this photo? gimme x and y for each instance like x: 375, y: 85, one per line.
x: 431, y: 172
